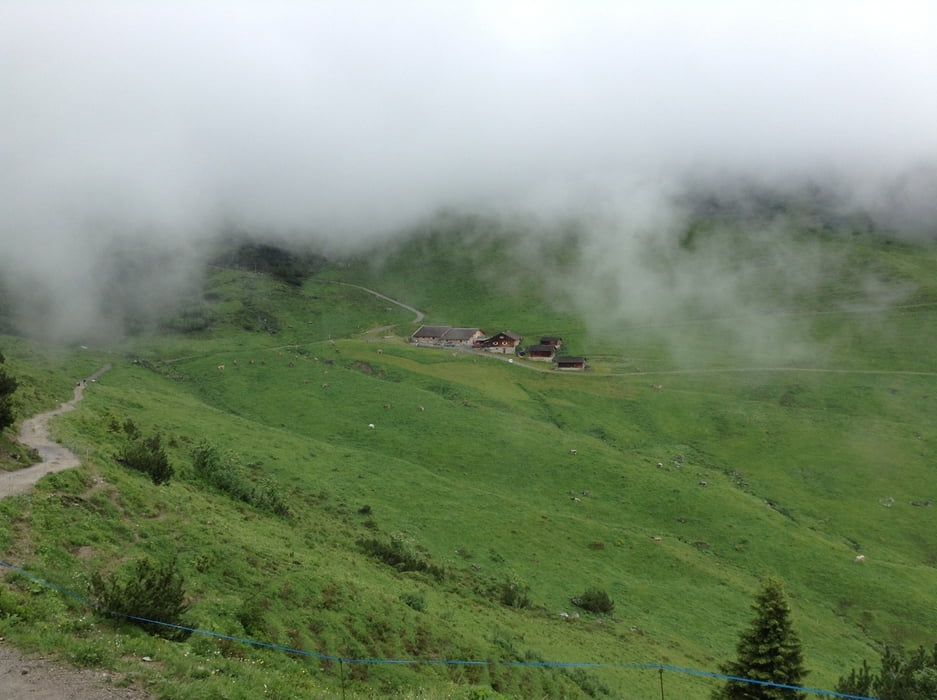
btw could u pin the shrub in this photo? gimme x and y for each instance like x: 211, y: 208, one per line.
x: 514, y: 595
x: 595, y: 601
x: 415, y: 600
x: 151, y: 592
x: 398, y: 553
x: 130, y: 428
x: 149, y: 457
x: 229, y: 476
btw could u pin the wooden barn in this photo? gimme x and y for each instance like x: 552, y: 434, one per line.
x: 553, y: 340
x: 505, y: 342
x: 428, y: 335
x: 542, y: 352
x: 445, y: 336
x: 571, y: 363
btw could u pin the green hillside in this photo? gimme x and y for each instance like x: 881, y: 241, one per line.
x: 693, y: 458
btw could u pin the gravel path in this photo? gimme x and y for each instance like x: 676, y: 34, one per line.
x: 39, y: 678
x: 418, y: 315
x: 34, y: 433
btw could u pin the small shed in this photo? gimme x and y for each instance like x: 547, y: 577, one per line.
x: 541, y: 352
x: 553, y: 340
x: 505, y: 342
x: 571, y: 363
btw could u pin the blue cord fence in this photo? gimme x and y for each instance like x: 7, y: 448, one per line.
x: 434, y: 662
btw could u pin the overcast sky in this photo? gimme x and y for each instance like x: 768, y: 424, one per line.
x: 355, y: 118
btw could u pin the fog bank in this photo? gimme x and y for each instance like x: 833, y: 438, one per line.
x: 152, y: 126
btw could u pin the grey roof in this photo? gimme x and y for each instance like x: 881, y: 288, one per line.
x: 541, y: 348
x: 460, y: 333
x: 431, y: 331
x: 512, y: 335
x: 570, y: 360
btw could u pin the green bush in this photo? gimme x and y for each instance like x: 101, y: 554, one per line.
x: 149, y: 457
x: 150, y: 592
x: 396, y: 552
x: 595, y: 601
x: 514, y: 595
x: 415, y: 600
x: 229, y: 476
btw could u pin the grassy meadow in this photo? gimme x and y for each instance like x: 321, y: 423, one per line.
x: 698, y: 470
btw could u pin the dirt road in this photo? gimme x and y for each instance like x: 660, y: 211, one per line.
x: 34, y: 433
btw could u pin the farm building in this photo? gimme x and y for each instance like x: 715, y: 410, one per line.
x: 572, y: 363
x: 541, y: 352
x: 553, y: 340
x: 505, y: 342
x: 445, y: 336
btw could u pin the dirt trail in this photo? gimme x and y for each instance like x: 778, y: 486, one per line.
x: 40, y: 678
x: 22, y: 675
x: 418, y: 315
x: 34, y: 433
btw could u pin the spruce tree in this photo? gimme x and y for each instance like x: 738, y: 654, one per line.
x: 768, y: 651
x: 903, y: 676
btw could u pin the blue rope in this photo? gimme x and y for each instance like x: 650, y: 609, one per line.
x: 438, y: 662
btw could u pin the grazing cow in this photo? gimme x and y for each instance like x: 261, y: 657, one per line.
x: 221, y: 367
x: 572, y: 452
x: 251, y: 362
x: 371, y: 426
x: 421, y: 408
x: 380, y: 352
x: 657, y: 387
x: 859, y: 558
x: 575, y: 499
x: 703, y: 483
x: 386, y: 405
x: 326, y: 385
x: 656, y: 538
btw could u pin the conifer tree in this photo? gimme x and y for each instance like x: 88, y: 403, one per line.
x: 903, y: 676
x: 7, y: 386
x: 768, y: 651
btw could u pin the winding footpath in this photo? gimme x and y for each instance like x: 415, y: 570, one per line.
x: 34, y: 433
x: 419, y: 315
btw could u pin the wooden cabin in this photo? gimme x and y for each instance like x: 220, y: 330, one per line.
x: 505, y: 342
x: 571, y: 363
x: 542, y: 352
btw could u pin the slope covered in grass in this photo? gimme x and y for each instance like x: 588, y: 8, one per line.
x: 700, y: 466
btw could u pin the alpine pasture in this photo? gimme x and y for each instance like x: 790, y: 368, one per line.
x: 673, y: 474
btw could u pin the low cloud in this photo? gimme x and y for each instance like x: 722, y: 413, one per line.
x: 133, y: 126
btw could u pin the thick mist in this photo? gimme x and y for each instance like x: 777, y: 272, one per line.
x: 133, y: 134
